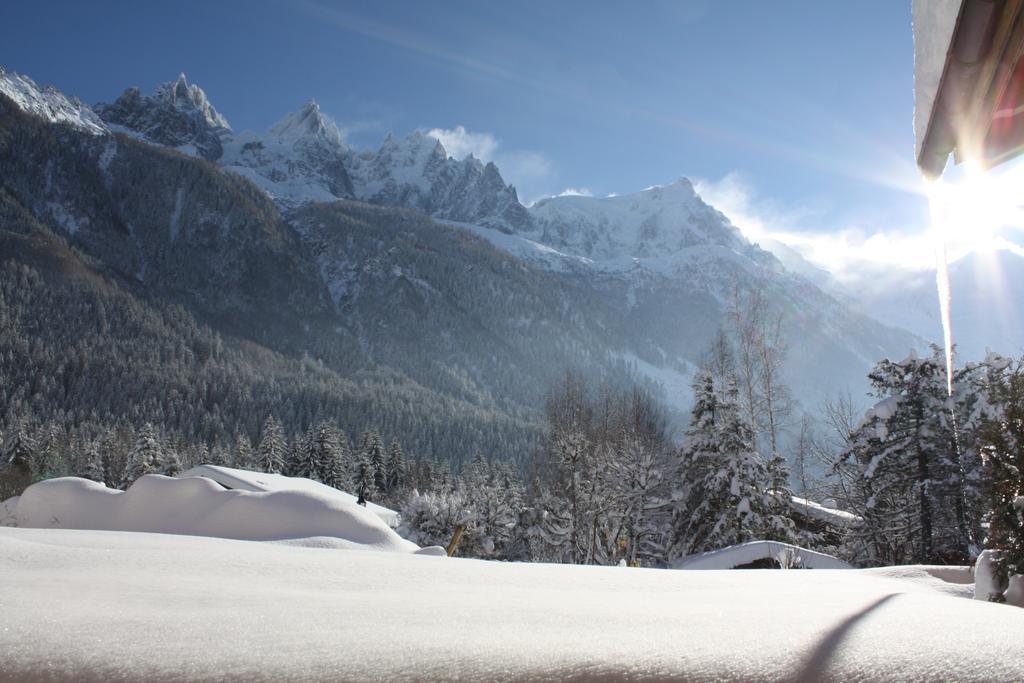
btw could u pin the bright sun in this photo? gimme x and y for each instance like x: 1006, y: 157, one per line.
x: 970, y: 214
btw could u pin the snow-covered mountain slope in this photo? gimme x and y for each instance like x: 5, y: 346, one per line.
x: 176, y: 115
x: 418, y: 173
x: 302, y: 158
x: 638, y: 284
x: 672, y: 265
x: 49, y: 103
x: 656, y: 222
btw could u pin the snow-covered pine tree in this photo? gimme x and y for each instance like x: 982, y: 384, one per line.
x: 244, y: 457
x: 395, y: 474
x: 905, y: 467
x: 493, y: 501
x: 145, y: 457
x: 170, y: 463
x: 335, y: 469
x: 327, y: 451
x: 271, y: 451
x: 306, y: 456
x: 201, y: 454
x: 220, y: 456
x: 93, y: 465
x: 778, y: 521
x: 1002, y: 441
x: 362, y: 477
x: 723, y: 499
x: 16, y: 461
x: 375, y: 454
x: 700, y: 451
x: 19, y: 447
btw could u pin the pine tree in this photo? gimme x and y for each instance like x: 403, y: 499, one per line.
x: 326, y: 451
x: 94, y: 467
x: 170, y: 464
x: 20, y: 448
x: 145, y: 457
x: 16, y: 464
x: 335, y: 469
x: 244, y: 457
x: 724, y: 499
x: 362, y: 476
x: 271, y: 451
x: 220, y: 456
x: 306, y: 460
x: 1002, y: 438
x: 374, y: 453
x: 904, y: 463
x: 396, y: 474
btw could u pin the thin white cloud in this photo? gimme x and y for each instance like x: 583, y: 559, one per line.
x: 460, y: 143
x: 575, y: 192
x: 849, y: 252
x: 527, y: 169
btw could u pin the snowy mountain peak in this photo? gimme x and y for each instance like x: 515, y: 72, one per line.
x: 190, y: 98
x: 49, y: 103
x: 657, y: 221
x: 309, y: 122
x: 178, y: 114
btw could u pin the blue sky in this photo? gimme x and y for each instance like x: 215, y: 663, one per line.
x: 795, y: 114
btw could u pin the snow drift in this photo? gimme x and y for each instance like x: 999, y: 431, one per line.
x: 196, y: 506
x: 248, y: 480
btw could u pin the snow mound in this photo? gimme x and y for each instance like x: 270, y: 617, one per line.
x: 196, y: 506
x: 248, y: 480
x: 954, y: 581
x: 50, y: 104
x: 8, y: 512
x: 745, y: 553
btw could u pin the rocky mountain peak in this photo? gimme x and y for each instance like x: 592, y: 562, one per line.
x: 49, y: 103
x: 309, y: 123
x: 177, y: 114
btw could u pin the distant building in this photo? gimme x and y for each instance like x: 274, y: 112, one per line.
x: 831, y: 525
x: 247, y: 480
x: 761, y: 555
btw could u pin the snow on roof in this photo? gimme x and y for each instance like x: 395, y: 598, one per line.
x: 248, y: 480
x: 934, y: 22
x: 745, y: 553
x: 200, y: 507
x: 264, y: 612
x: 823, y: 513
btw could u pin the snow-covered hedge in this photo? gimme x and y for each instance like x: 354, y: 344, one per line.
x: 7, y: 512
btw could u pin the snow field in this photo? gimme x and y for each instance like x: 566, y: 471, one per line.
x: 113, y: 605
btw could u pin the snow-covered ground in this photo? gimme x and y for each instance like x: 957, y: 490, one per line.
x: 88, y: 605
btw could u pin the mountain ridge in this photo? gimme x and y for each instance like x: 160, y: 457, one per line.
x: 443, y: 276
